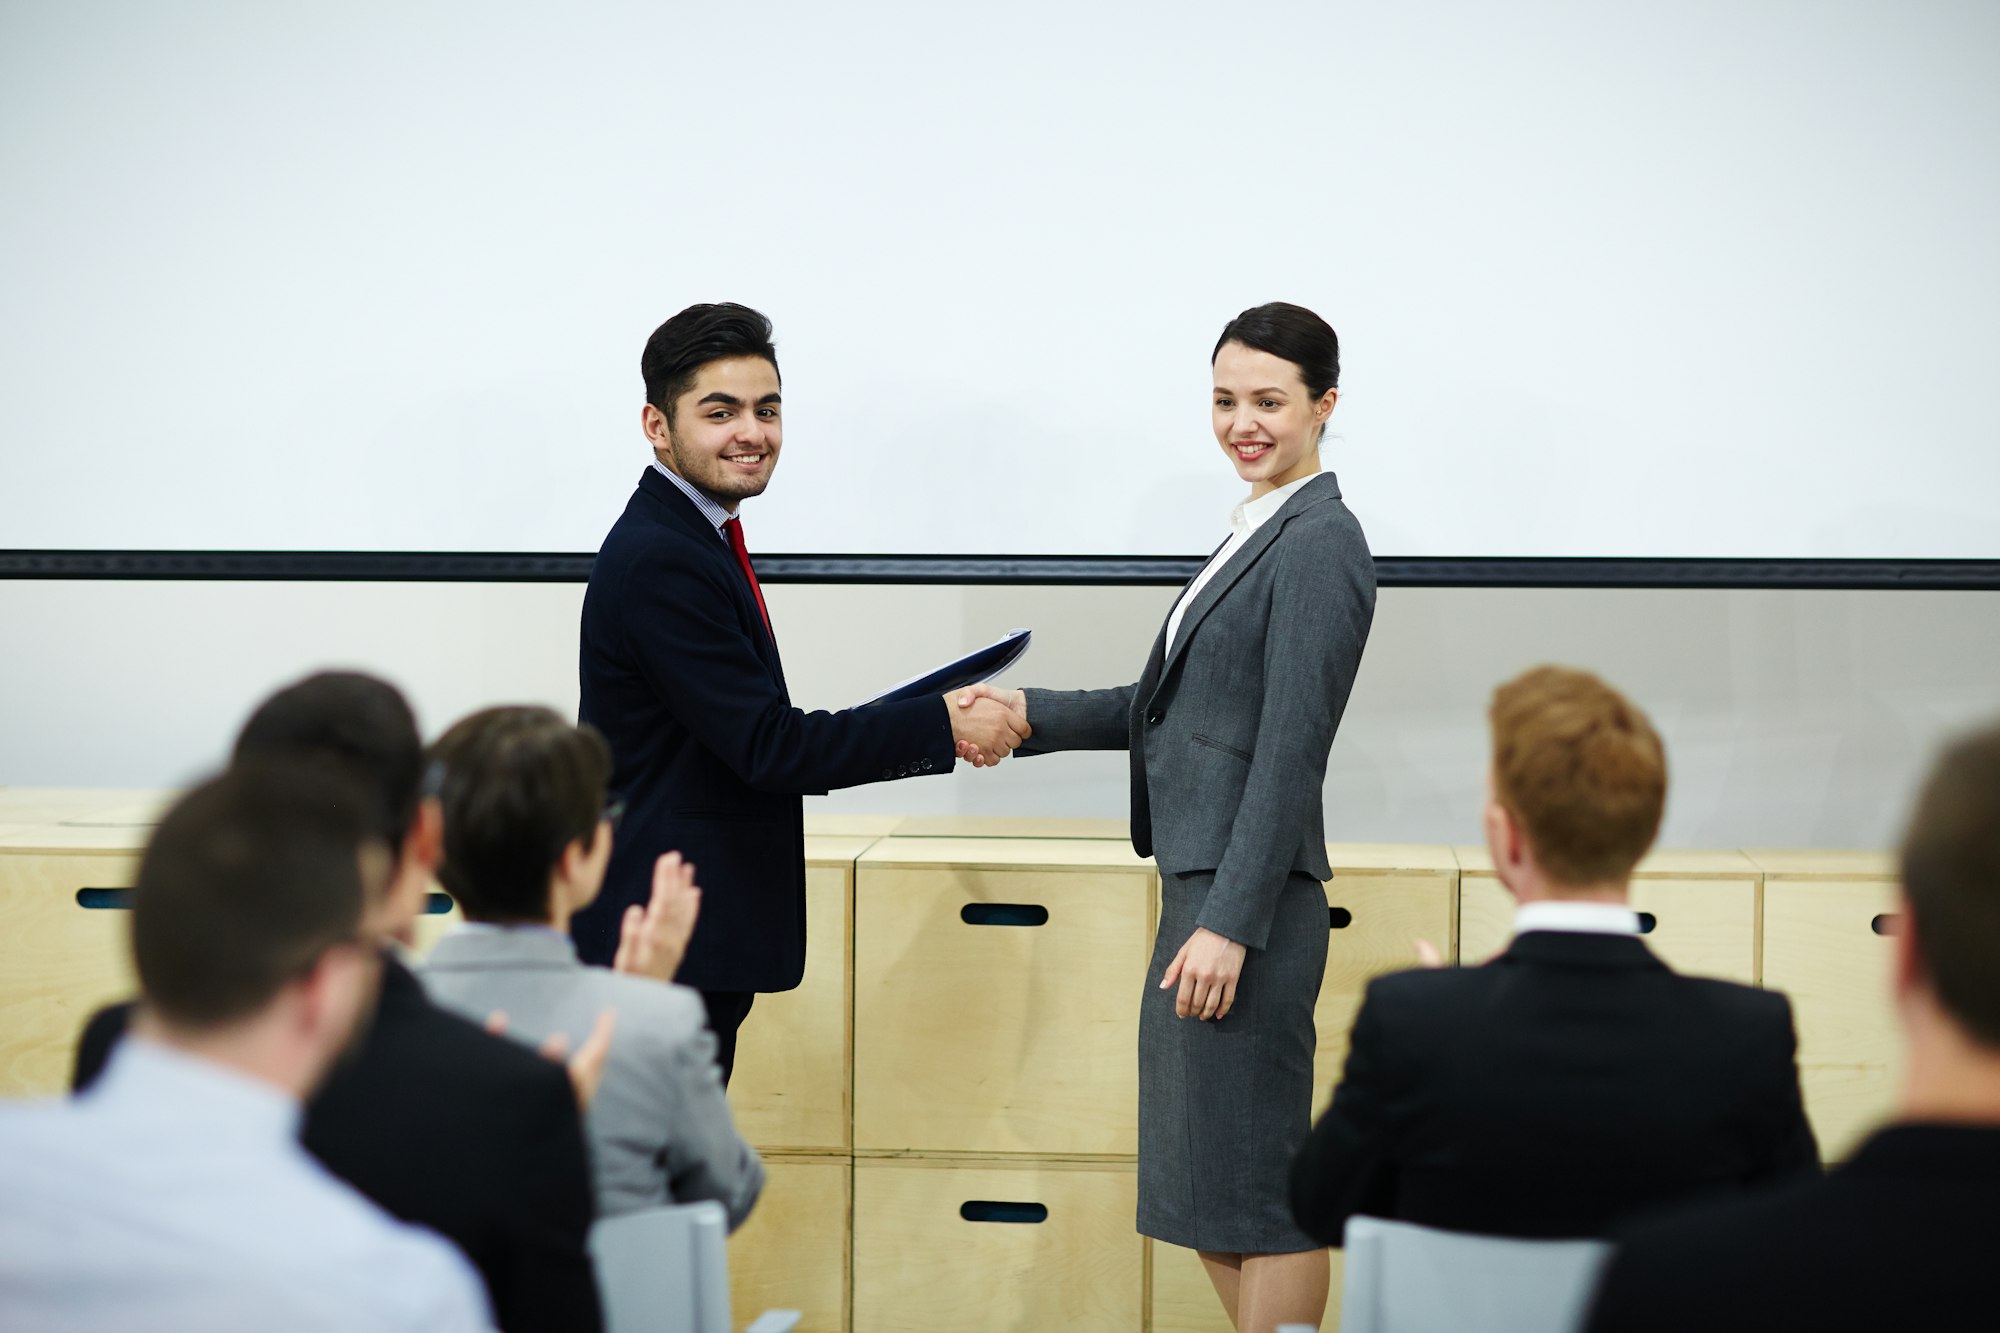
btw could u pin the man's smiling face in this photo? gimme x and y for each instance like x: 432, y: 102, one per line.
x: 725, y: 432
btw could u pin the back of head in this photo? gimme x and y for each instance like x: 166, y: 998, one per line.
x: 354, y: 725
x: 1582, y: 772
x: 520, y: 785
x: 249, y: 879
x: 693, y: 338
x: 1951, y: 877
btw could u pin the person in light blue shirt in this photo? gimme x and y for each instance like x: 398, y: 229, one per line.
x: 174, y: 1195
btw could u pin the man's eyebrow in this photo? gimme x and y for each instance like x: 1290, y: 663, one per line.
x: 726, y: 399
x: 1254, y: 393
x: 769, y: 398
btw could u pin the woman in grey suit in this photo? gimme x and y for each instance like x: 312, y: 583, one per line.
x: 1229, y: 727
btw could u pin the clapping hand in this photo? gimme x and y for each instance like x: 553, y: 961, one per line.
x: 653, y: 938
x: 586, y: 1067
x: 988, y: 723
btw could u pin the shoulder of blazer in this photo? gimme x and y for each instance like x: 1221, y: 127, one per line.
x: 659, y: 1013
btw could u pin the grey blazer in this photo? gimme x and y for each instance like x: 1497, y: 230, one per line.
x: 1230, y: 725
x: 659, y: 1127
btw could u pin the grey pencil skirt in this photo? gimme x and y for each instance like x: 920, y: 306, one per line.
x: 1224, y: 1105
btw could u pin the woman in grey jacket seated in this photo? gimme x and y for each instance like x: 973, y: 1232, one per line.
x: 527, y: 837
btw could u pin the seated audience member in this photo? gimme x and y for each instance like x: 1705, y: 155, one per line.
x: 1575, y: 1079
x: 174, y: 1194
x: 435, y: 1119
x: 526, y: 842
x: 1904, y: 1235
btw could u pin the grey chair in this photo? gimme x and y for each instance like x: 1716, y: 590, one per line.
x: 1403, y: 1278
x: 666, y: 1270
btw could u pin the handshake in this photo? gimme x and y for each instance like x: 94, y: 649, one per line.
x: 987, y: 723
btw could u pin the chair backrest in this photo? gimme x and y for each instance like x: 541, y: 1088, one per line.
x: 1410, y: 1279
x: 664, y: 1270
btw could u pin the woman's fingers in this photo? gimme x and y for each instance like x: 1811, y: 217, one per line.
x: 1173, y: 973
x: 1228, y: 998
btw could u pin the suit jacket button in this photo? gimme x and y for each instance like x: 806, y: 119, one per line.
x: 1157, y: 716
x: 927, y: 765
x: 887, y: 774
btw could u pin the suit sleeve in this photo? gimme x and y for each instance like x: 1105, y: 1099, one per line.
x: 691, y: 647
x: 1789, y: 1149
x: 1322, y: 603
x: 705, y: 1157
x: 1346, y: 1166
x: 542, y: 1278
x: 93, y: 1049
x: 1079, y: 720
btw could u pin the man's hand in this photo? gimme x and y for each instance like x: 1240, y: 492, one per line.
x: 988, y: 724
x: 586, y: 1067
x: 1206, y: 970
x: 652, y: 939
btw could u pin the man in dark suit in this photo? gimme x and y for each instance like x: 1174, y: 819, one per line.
x: 436, y: 1120
x: 1575, y: 1079
x: 1903, y: 1236
x: 679, y: 670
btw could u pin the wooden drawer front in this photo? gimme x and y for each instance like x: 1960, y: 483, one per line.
x: 1703, y: 927
x: 1184, y: 1300
x: 1381, y: 916
x: 440, y: 914
x: 59, y: 961
x: 997, y: 1037
x: 793, y: 1082
x: 792, y: 1253
x: 1820, y: 947
x: 1847, y: 1103
x: 921, y: 1264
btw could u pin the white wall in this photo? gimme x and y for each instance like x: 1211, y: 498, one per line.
x: 1799, y: 718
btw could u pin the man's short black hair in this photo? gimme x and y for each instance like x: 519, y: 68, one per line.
x: 700, y: 334
x: 1951, y: 876
x: 355, y: 725
x: 249, y: 879
x: 520, y: 785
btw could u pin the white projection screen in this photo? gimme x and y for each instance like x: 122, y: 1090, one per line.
x: 1715, y: 279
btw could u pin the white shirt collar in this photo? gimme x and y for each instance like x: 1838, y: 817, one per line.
x: 1250, y: 515
x: 1576, y: 918
x: 172, y: 1083
x: 710, y: 510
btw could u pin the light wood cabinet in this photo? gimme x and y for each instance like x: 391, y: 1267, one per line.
x: 1826, y: 944
x: 792, y: 1253
x: 793, y: 1086
x: 67, y: 951
x: 997, y: 988
x: 996, y: 1246
x: 1698, y: 910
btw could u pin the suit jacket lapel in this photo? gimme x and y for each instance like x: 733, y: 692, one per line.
x: 1239, y: 564
x: 679, y: 509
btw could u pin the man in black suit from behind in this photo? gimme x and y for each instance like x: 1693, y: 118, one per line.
x: 1904, y: 1235
x: 438, y: 1121
x: 679, y: 670
x: 1575, y: 1079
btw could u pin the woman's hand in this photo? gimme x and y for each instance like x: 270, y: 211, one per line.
x: 1206, y: 969
x: 1014, y: 701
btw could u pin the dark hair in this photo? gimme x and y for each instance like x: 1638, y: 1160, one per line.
x: 355, y: 725
x: 1292, y: 333
x: 700, y: 334
x: 249, y: 879
x: 1951, y: 876
x: 520, y: 785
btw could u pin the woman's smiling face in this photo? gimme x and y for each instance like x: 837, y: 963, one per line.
x: 1266, y: 420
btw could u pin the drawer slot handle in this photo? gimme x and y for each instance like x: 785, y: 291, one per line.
x: 1646, y: 922
x: 105, y: 900
x: 1338, y: 918
x: 1885, y: 924
x: 995, y: 1210
x: 1003, y: 914
x: 437, y: 904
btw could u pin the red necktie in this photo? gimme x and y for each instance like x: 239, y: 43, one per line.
x: 734, y: 527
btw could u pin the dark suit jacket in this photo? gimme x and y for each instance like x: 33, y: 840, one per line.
x: 1230, y: 725
x: 469, y: 1134
x: 1573, y: 1081
x: 679, y: 673
x: 1902, y: 1237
